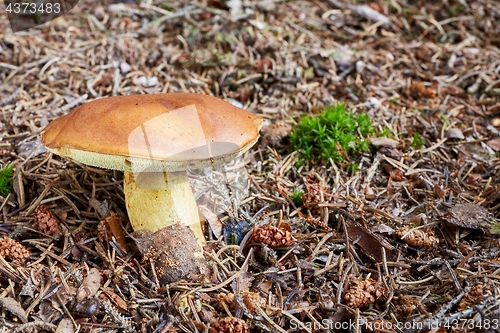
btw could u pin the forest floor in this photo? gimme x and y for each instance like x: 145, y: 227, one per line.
x: 400, y: 237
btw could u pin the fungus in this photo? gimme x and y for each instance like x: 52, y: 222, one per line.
x: 155, y: 139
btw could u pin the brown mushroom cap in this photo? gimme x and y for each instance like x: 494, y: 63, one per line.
x: 158, y: 132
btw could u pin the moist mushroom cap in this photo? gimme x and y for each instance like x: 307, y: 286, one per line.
x: 157, y: 132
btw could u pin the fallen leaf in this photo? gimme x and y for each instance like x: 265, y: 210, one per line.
x: 397, y: 175
x: 376, y: 6
x: 65, y: 326
x: 382, y: 229
x: 120, y: 304
x: 474, y: 179
x: 14, y: 308
x: 263, y: 65
x: 114, y: 222
x: 368, y: 192
x: 370, y: 245
x: 494, y: 143
x: 384, y: 142
x: 89, y: 286
x: 439, y: 191
x: 213, y: 220
x: 391, y: 152
x: 419, y: 88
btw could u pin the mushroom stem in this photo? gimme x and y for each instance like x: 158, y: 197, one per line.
x: 155, y: 200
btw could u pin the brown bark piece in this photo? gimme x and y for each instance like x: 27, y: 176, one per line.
x: 471, y: 216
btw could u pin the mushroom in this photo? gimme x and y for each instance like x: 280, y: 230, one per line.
x: 155, y: 139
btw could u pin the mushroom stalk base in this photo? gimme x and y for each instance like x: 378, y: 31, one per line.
x: 155, y: 200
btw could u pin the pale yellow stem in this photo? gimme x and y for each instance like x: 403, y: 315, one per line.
x: 155, y: 200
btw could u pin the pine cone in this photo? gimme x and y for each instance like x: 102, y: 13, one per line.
x: 46, y: 221
x: 406, y: 306
x: 252, y: 300
x: 475, y: 296
x: 10, y: 249
x: 227, y: 299
x: 362, y: 293
x: 417, y: 237
x: 272, y: 236
x: 229, y: 325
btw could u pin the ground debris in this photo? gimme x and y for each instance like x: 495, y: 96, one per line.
x: 89, y: 286
x: 472, y: 216
x: 14, y: 308
x: 370, y: 244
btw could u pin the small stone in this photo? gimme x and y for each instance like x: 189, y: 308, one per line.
x: 266, y: 6
x: 99, y: 12
x: 236, y: 103
x: 373, y: 103
x: 495, y: 122
x: 454, y: 133
x: 152, y: 81
x: 125, y: 67
x: 140, y: 81
x: 360, y: 66
x: 384, y: 142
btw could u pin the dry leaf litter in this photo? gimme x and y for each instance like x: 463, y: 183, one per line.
x: 427, y: 73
